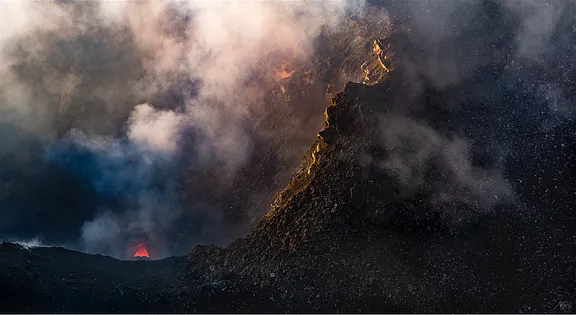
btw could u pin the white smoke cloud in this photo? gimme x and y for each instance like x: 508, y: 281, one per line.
x: 157, y: 130
x: 32, y: 243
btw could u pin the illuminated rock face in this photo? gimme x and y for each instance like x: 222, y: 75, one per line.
x: 379, y: 65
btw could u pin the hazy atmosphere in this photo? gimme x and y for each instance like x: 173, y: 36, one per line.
x: 174, y: 123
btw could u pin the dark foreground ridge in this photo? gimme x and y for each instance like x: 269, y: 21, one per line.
x: 344, y: 236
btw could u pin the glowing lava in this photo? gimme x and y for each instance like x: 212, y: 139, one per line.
x: 141, y: 251
x: 283, y: 74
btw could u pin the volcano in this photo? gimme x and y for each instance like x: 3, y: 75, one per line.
x: 402, y: 203
x: 342, y: 236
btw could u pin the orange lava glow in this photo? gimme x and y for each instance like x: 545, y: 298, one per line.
x: 283, y: 74
x: 141, y: 251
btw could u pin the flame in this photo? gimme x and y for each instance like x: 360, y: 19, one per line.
x: 141, y: 251
x: 283, y: 74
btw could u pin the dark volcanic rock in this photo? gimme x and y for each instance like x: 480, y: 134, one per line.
x: 59, y: 280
